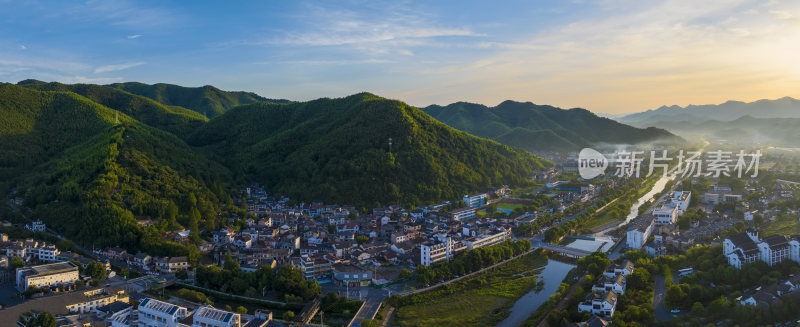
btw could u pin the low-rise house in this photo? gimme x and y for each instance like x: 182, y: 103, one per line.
x: 617, y: 284
x: 171, y: 265
x: 598, y: 303
x: 351, y: 276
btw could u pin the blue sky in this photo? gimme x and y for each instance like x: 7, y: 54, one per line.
x: 606, y: 56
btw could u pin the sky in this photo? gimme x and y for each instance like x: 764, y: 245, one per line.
x: 605, y: 56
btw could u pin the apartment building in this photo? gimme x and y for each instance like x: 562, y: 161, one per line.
x: 52, y: 274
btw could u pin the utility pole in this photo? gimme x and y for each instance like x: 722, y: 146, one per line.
x: 390, y: 144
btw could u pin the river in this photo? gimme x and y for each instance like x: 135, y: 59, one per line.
x: 659, y: 186
x: 552, y: 274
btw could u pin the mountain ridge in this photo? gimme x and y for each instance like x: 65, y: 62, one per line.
x: 542, y: 127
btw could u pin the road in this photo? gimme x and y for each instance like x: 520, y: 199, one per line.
x: 659, y: 292
x: 372, y: 303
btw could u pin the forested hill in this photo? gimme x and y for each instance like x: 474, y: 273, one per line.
x: 543, y: 128
x: 94, y: 162
x: 86, y: 175
x: 337, y: 150
x: 177, y: 120
x: 207, y: 100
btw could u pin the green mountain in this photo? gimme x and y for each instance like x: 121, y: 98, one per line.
x: 207, y: 100
x: 543, y: 128
x: 94, y: 162
x: 337, y: 150
x: 177, y: 120
x: 92, y: 179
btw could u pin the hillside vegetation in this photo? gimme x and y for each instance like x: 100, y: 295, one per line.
x: 337, y: 150
x: 207, y: 100
x: 543, y: 128
x: 106, y: 167
x: 177, y: 120
x: 93, y: 179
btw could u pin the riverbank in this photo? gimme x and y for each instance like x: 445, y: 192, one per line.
x: 481, y: 300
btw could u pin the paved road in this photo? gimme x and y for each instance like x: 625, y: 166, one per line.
x: 372, y: 303
x: 659, y: 292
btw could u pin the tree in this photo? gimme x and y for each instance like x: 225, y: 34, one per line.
x: 361, y: 239
x: 404, y: 273
x: 230, y: 263
x: 697, y: 308
x: 288, y: 315
x: 369, y: 323
x: 674, y: 297
x: 96, y: 270
x: 41, y: 319
x: 17, y: 262
x: 241, y: 310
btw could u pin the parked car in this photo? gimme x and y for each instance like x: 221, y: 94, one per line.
x: 675, y: 311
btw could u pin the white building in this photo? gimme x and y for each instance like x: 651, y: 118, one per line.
x: 462, y: 214
x: 36, y: 226
x: 601, y: 304
x: 746, y: 248
x: 774, y: 249
x: 498, y: 236
x: 212, y: 317
x: 161, y: 314
x: 666, y: 215
x: 434, y: 252
x: 616, y: 284
x: 52, y: 274
x: 639, y: 231
x: 475, y: 200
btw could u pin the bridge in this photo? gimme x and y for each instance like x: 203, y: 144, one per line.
x: 309, y: 311
x: 570, y: 252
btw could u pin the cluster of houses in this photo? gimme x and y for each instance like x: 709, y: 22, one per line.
x: 152, y: 312
x: 143, y: 261
x: 602, y: 301
x: 335, y: 241
x: 764, y: 296
x: 667, y: 213
x: 111, y: 306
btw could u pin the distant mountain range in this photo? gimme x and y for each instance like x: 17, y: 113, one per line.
x: 785, y: 107
x: 543, y: 128
x: 773, y: 122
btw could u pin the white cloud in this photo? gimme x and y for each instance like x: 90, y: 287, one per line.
x: 135, y: 36
x: 781, y: 14
x: 112, y: 68
x: 22, y: 47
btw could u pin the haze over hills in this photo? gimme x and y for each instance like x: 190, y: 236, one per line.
x: 541, y: 127
x: 785, y: 107
x: 773, y: 122
x: 93, y: 178
x: 207, y: 100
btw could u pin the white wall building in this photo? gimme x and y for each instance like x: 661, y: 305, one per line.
x: 161, y: 314
x: 212, y: 317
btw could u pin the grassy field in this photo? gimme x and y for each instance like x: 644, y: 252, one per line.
x: 783, y: 225
x: 620, y: 209
x: 483, y: 300
x: 500, y: 207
